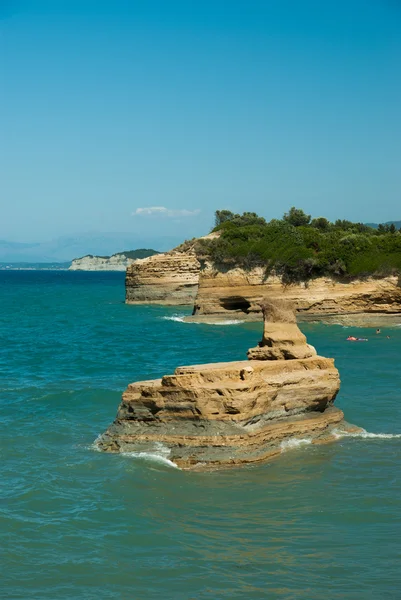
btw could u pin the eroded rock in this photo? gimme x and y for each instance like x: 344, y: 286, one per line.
x: 233, y: 413
x: 170, y: 278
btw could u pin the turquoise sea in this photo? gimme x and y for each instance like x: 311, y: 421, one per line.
x: 319, y: 522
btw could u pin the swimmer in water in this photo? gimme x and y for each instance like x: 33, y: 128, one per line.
x: 378, y: 331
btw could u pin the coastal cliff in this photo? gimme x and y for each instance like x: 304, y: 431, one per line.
x: 170, y: 278
x: 238, y: 292
x: 116, y: 262
x: 226, y: 414
x: 187, y: 278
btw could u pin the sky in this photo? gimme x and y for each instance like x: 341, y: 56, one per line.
x: 147, y: 116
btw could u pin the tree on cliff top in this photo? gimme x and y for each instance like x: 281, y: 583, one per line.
x: 226, y: 217
x: 221, y: 216
x: 297, y: 217
x: 298, y: 249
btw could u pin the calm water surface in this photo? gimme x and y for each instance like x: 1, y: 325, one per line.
x: 319, y: 522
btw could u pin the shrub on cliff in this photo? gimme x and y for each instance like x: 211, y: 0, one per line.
x: 298, y: 249
x: 296, y: 217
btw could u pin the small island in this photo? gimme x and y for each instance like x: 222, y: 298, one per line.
x: 235, y: 413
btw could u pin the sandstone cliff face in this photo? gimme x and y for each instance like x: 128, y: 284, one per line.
x: 226, y: 414
x: 237, y: 292
x: 170, y: 278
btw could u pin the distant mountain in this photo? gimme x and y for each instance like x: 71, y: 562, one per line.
x: 66, y: 248
x: 376, y: 225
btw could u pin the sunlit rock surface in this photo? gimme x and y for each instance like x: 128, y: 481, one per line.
x: 226, y: 414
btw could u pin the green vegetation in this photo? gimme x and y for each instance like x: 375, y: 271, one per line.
x: 298, y: 248
x: 140, y: 253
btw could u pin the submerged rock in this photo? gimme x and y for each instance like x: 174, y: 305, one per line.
x: 232, y: 413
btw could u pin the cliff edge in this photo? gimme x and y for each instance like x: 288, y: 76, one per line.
x: 170, y: 278
x: 226, y: 414
x: 239, y: 292
x: 185, y: 276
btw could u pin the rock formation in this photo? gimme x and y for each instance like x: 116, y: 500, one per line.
x: 238, y: 293
x: 225, y: 414
x: 170, y: 278
x: 185, y: 277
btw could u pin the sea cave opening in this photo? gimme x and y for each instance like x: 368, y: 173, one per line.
x: 238, y: 303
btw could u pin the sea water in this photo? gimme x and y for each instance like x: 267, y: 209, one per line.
x: 75, y: 523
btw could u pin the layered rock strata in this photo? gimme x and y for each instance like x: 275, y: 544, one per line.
x: 178, y: 278
x: 225, y: 414
x: 238, y: 293
x: 170, y: 278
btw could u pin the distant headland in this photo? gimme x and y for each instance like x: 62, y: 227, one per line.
x: 117, y: 262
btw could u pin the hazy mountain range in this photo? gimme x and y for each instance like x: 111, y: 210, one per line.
x: 397, y: 224
x: 66, y: 248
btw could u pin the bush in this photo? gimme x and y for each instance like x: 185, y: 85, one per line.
x: 298, y: 249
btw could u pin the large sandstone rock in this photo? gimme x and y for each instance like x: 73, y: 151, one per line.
x: 170, y: 278
x: 238, y: 293
x: 223, y: 414
x: 179, y: 278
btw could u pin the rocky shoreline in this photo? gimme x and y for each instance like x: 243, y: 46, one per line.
x: 228, y: 414
x: 182, y: 278
x: 366, y: 320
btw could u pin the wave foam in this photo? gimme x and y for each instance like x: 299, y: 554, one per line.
x: 181, y: 319
x: 294, y: 443
x: 151, y: 457
x: 228, y: 322
x: 366, y: 435
x: 159, y: 454
x: 178, y: 318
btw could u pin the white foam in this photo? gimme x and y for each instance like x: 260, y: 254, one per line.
x: 151, y: 457
x: 159, y: 455
x: 294, y: 443
x: 366, y: 435
x: 228, y: 322
x: 95, y: 445
x: 181, y: 319
x: 178, y: 318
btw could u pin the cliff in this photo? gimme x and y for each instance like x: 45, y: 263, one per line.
x: 170, y: 278
x: 238, y: 292
x: 225, y: 414
x: 186, y: 277
x: 116, y: 262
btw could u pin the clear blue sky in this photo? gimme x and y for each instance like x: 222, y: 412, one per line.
x: 110, y: 106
